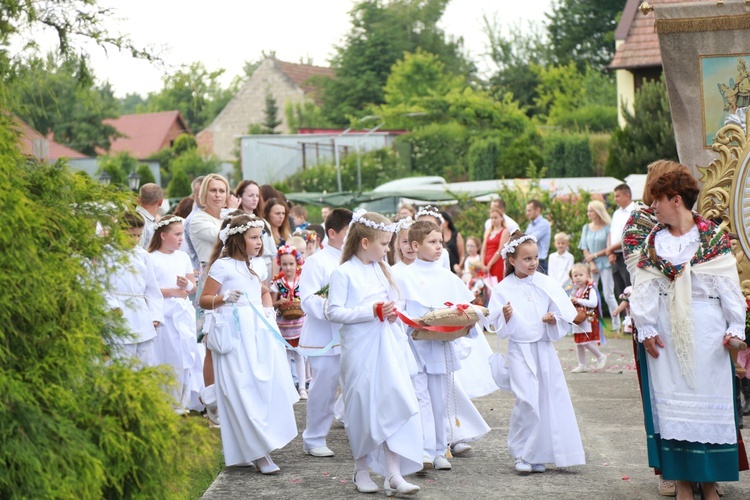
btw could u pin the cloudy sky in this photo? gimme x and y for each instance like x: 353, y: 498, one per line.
x: 225, y: 33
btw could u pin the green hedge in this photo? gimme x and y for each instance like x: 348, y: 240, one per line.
x: 567, y: 155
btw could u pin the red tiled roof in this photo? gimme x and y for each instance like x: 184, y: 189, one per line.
x: 641, y: 42
x: 301, y: 73
x: 55, y: 150
x: 145, y: 133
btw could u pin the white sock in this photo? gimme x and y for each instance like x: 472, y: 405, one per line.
x: 393, y: 467
x: 581, y: 354
x: 594, y: 350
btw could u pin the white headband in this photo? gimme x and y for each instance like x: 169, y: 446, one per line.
x: 510, y: 247
x: 227, y: 231
x: 167, y: 221
x: 428, y: 210
x: 358, y: 217
x: 404, y: 224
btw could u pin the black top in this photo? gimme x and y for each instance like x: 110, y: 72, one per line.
x: 452, y: 247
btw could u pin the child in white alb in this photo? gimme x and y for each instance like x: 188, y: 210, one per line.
x: 381, y: 408
x: 561, y: 262
x: 426, y: 285
x: 133, y: 293
x: 176, y: 343
x: 532, y: 311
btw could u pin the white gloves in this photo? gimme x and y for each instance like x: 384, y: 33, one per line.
x: 232, y: 296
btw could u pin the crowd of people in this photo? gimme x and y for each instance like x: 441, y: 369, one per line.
x: 255, y: 309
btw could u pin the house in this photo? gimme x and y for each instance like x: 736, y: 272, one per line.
x: 637, y: 54
x: 285, y: 82
x: 146, y: 133
x: 35, y: 144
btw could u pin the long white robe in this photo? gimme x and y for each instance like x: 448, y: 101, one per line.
x: 176, y: 344
x: 543, y: 427
x: 255, y: 392
x: 379, y: 399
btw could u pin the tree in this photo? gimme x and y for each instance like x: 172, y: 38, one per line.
x: 583, y: 31
x: 118, y: 167
x: 648, y: 135
x: 195, y: 92
x: 304, y: 115
x: 270, y: 115
x: 60, y: 96
x: 145, y: 174
x: 381, y: 32
x: 132, y: 103
x: 179, y: 186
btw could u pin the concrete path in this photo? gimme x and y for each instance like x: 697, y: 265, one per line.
x: 608, y: 408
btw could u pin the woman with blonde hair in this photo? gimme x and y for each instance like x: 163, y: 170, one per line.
x: 594, y: 239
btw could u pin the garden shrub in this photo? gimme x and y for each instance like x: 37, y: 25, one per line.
x: 73, y: 425
x: 567, y: 155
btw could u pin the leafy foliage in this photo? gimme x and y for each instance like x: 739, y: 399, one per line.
x: 120, y: 166
x: 648, y: 135
x: 304, y: 115
x: 179, y: 186
x: 382, y: 31
x: 184, y: 154
x: 60, y: 96
x: 73, y: 425
x: 567, y: 155
x: 439, y: 147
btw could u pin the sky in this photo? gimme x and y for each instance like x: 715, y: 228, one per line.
x: 226, y: 33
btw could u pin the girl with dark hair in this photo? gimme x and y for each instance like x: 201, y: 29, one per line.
x: 453, y: 243
x: 255, y: 392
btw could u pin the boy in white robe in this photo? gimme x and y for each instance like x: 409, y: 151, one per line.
x: 532, y: 310
x: 424, y: 286
x: 133, y: 292
x: 318, y: 332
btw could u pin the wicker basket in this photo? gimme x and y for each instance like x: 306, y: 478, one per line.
x: 451, y: 316
x: 291, y: 310
x: 440, y: 336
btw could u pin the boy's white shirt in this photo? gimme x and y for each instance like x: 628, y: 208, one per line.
x: 317, y: 331
x: 559, y: 266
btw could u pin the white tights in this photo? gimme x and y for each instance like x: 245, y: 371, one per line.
x: 392, y: 467
x: 582, y: 352
x: 299, y: 365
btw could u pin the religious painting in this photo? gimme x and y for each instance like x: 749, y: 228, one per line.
x: 725, y: 87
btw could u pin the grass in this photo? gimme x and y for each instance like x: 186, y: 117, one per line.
x: 202, y: 470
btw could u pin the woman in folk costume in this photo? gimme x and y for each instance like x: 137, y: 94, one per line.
x: 532, y: 311
x: 381, y: 408
x: 254, y: 387
x: 176, y: 343
x: 425, y: 286
x: 687, y: 262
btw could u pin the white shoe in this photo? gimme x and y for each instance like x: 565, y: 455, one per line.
x: 303, y: 395
x: 365, y: 483
x: 427, y: 465
x: 441, y: 463
x: 522, y: 465
x: 266, y: 466
x: 538, y: 468
x: 601, y: 362
x: 460, y: 448
x: 579, y: 369
x: 208, y: 399
x: 320, y: 451
x: 402, y: 489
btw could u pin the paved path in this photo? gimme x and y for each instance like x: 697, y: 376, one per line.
x: 609, y: 415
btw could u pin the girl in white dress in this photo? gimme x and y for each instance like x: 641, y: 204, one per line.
x: 381, y: 408
x: 176, y: 343
x: 543, y: 426
x: 254, y: 392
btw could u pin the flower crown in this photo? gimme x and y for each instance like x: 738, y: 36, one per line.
x: 510, y: 247
x: 305, y: 234
x: 404, y: 224
x: 287, y: 249
x: 429, y: 210
x: 167, y: 221
x: 227, y: 231
x: 358, y: 217
x: 230, y: 213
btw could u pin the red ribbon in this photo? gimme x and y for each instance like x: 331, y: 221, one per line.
x: 442, y: 329
x: 460, y: 307
x: 379, y: 311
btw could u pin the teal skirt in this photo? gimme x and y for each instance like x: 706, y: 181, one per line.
x: 685, y: 460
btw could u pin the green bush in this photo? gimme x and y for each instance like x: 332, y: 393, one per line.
x: 599, y: 146
x: 145, y: 174
x: 590, y: 118
x: 482, y: 157
x: 439, y: 148
x: 179, y: 186
x: 567, y: 155
x: 73, y: 425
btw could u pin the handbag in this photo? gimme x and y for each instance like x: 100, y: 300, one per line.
x: 580, y: 315
x: 221, y: 339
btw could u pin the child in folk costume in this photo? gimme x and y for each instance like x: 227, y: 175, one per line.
x: 425, y: 286
x: 381, y: 408
x: 532, y: 310
x: 285, y: 290
x: 318, y: 332
x: 132, y: 291
x: 176, y: 343
x: 586, y: 300
x: 254, y: 386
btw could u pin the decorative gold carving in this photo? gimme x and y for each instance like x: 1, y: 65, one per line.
x: 725, y: 194
x: 645, y: 8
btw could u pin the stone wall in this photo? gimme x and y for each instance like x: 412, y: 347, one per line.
x: 247, y: 107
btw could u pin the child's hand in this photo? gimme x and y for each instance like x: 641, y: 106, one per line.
x: 549, y: 318
x: 574, y: 300
x: 180, y: 293
x: 182, y: 281
x: 507, y: 311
